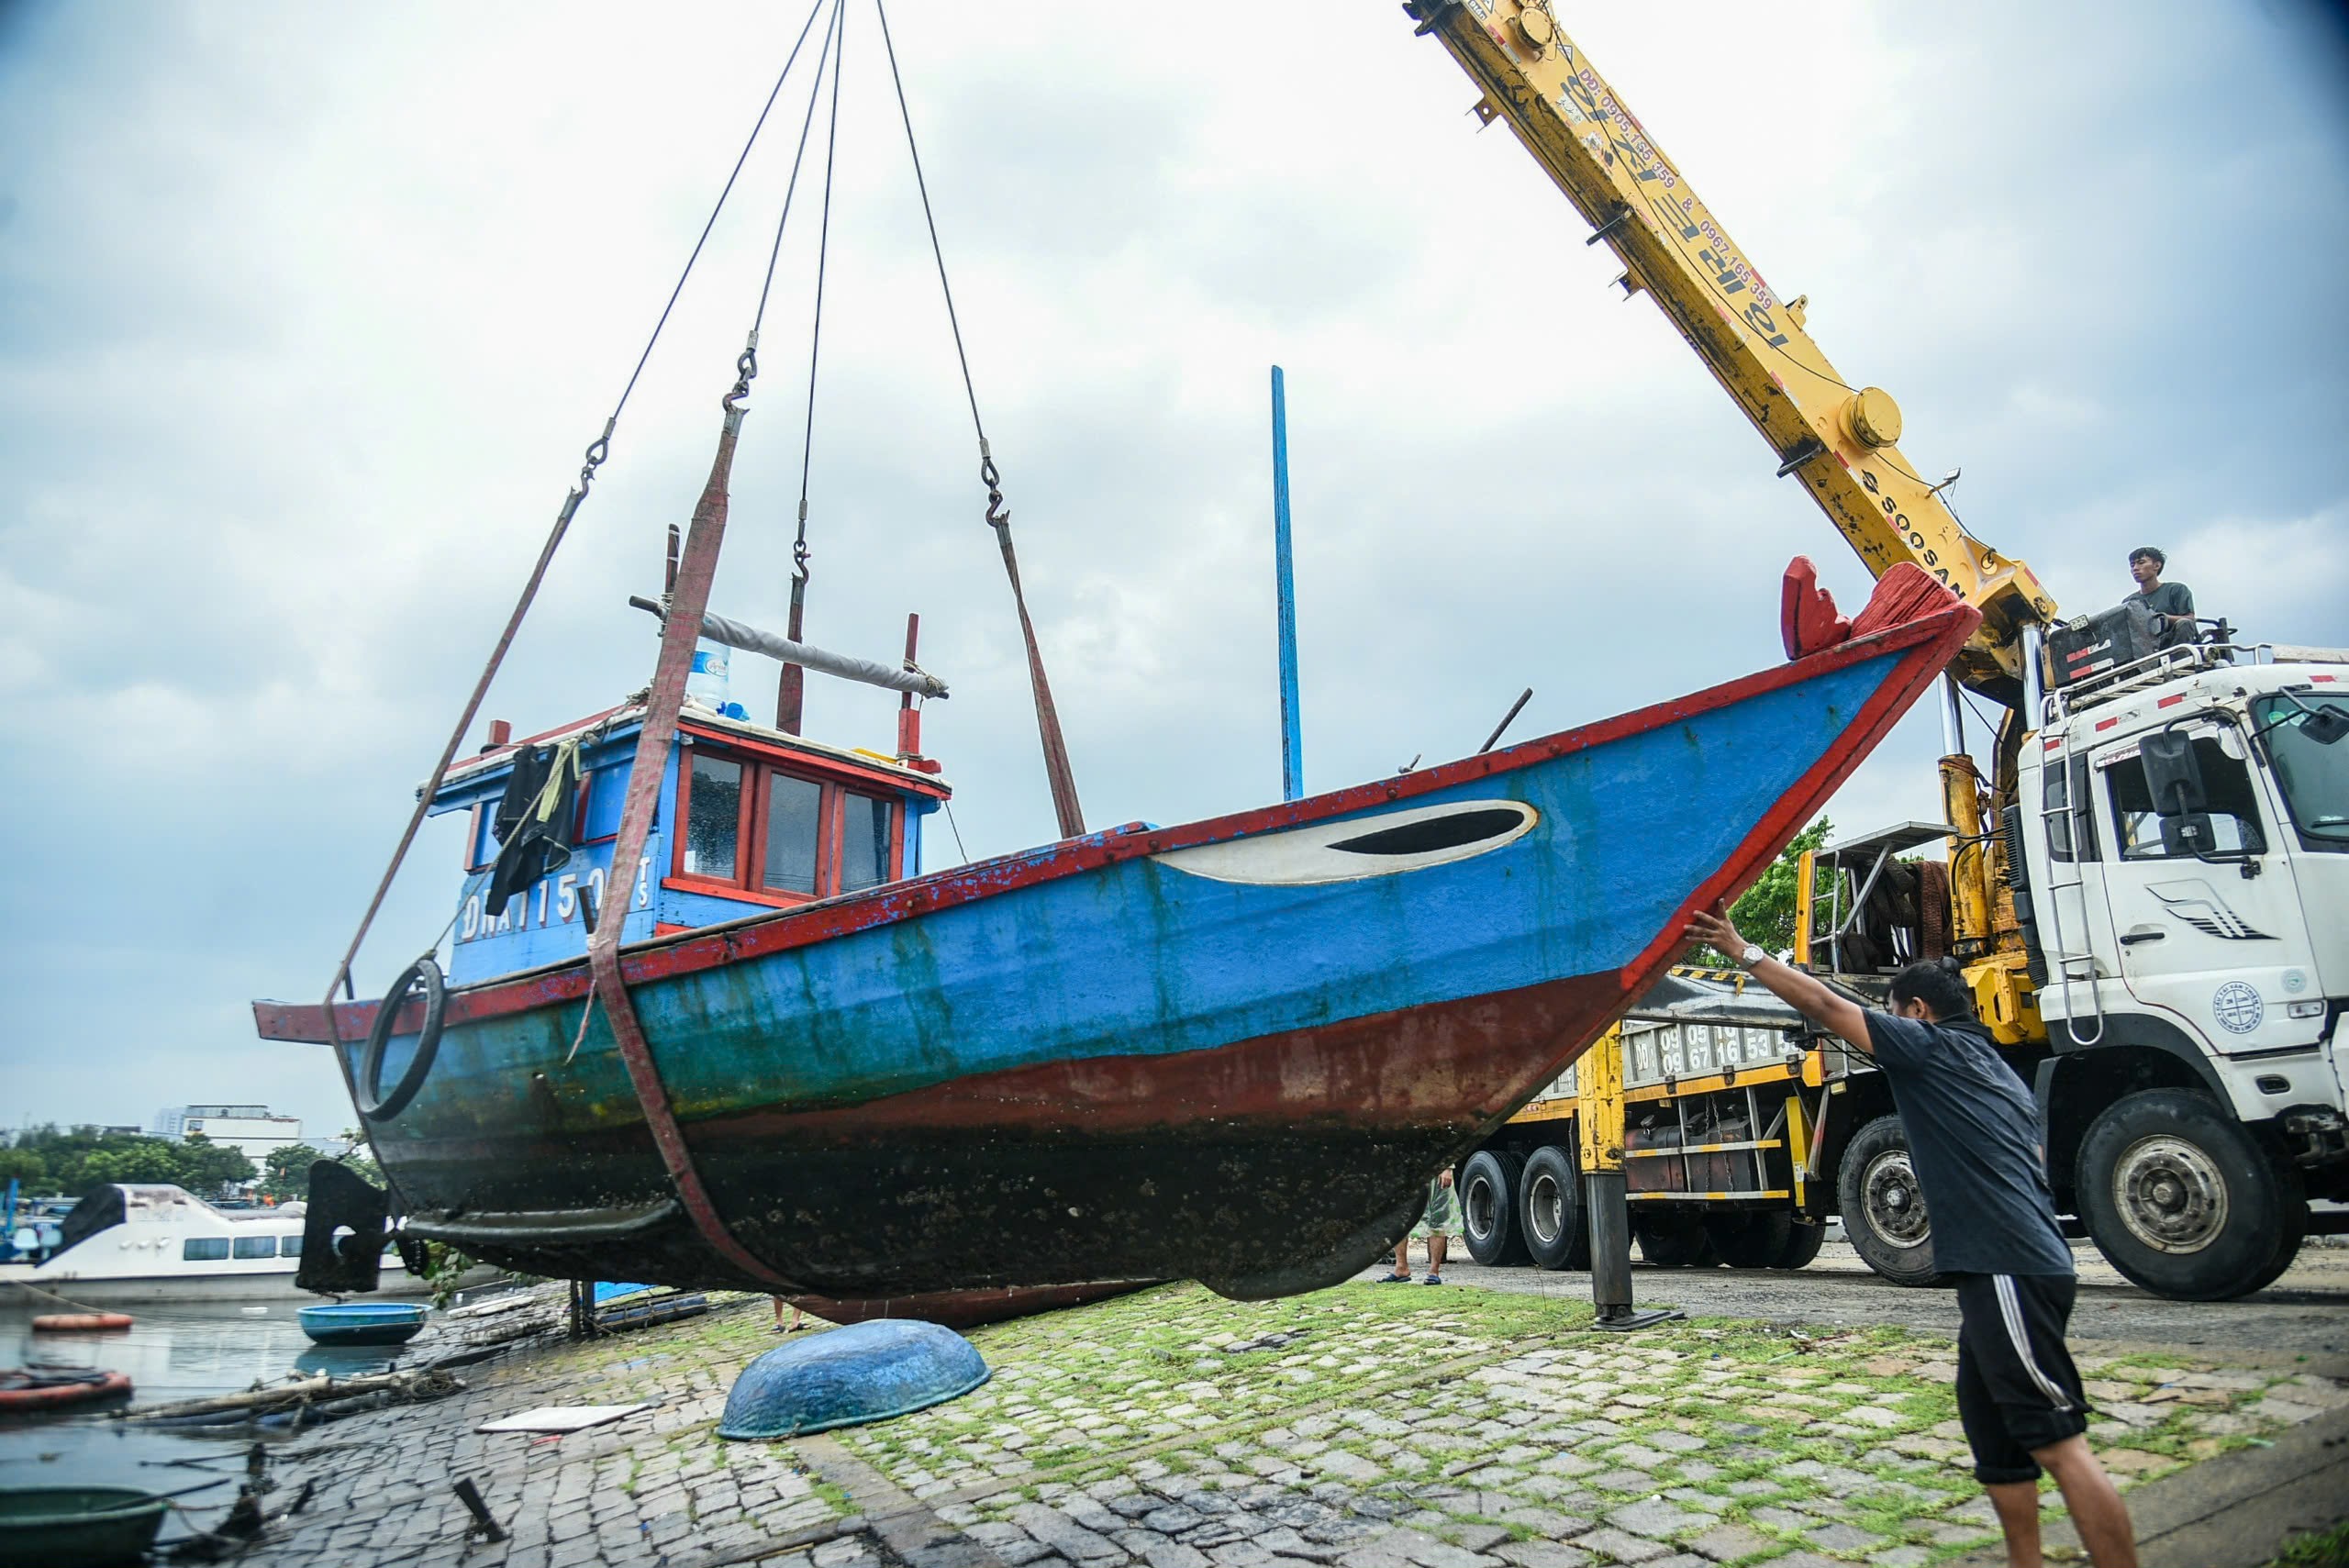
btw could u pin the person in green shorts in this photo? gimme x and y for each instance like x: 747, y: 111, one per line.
x: 1436, y: 1224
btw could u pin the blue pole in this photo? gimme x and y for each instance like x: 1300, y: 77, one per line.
x: 1285, y: 589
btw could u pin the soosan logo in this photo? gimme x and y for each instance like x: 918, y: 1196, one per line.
x: 2238, y: 1007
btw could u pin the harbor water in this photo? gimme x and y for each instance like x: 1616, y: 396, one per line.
x: 174, y: 1351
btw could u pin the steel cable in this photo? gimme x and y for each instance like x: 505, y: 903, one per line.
x: 597, y: 451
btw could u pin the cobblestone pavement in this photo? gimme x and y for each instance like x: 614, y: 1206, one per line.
x: 1358, y: 1428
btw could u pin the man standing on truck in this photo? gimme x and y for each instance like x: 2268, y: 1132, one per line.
x: 1975, y: 1140
x: 2174, y: 602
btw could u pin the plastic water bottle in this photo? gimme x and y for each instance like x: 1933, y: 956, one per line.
x: 707, y: 685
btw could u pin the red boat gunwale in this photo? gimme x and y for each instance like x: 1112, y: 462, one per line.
x: 1930, y: 638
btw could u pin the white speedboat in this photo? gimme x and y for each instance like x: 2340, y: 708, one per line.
x: 132, y: 1242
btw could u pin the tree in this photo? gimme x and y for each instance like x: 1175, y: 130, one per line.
x: 206, y: 1166
x: 361, y: 1165
x: 1766, y: 913
x: 286, y: 1174
x: 24, y: 1165
x: 133, y: 1160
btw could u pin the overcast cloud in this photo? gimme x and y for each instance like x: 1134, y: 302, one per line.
x: 305, y: 314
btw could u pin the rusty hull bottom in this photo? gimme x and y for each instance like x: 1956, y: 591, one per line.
x: 966, y: 1308
x: 1274, y: 1165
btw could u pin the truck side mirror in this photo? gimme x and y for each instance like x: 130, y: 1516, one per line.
x: 2173, y: 776
x: 2325, y: 725
x: 2189, y: 833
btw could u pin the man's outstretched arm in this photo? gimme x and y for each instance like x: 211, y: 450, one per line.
x: 1801, y: 992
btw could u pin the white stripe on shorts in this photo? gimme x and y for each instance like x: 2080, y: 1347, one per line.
x: 2010, y: 1311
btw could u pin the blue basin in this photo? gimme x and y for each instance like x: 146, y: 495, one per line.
x: 866, y: 1372
x: 362, y: 1323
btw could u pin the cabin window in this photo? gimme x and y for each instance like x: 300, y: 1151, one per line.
x: 778, y: 836
x: 481, y: 849
x: 203, y: 1249
x: 794, y: 833
x: 866, y: 837
x: 256, y: 1246
x: 714, y: 819
x: 289, y: 1246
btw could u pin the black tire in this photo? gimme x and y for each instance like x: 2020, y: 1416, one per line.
x: 373, y: 1104
x: 2181, y: 1198
x: 1674, y: 1241
x: 1748, y: 1239
x: 1804, y: 1238
x: 1883, y: 1207
x: 1489, y: 1208
x: 1550, y: 1214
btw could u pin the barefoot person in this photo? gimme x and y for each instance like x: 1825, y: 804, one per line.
x: 1434, y: 1225
x: 1974, y: 1140
x: 2174, y: 602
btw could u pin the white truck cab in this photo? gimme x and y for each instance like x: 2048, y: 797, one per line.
x: 2180, y: 859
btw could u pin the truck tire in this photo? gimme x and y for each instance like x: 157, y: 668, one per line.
x: 1748, y: 1239
x: 1884, y: 1208
x: 1674, y: 1241
x: 1488, y: 1186
x: 1550, y: 1211
x: 2180, y: 1197
x: 1804, y: 1238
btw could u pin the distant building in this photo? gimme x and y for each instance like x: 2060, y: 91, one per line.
x: 247, y: 1127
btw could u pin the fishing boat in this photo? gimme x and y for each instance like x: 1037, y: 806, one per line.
x: 132, y: 1242
x: 707, y: 1021
x: 1229, y: 1050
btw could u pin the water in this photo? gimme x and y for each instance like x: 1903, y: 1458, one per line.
x: 174, y: 1351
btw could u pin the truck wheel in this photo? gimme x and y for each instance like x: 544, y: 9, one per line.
x: 1804, y: 1238
x: 1489, y: 1208
x: 1673, y: 1241
x: 1550, y: 1211
x: 1750, y: 1239
x: 1884, y: 1208
x: 2181, y: 1198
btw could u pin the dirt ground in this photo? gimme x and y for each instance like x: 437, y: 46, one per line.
x: 2306, y: 1312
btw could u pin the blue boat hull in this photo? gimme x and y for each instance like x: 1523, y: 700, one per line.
x: 1230, y: 1052
x: 356, y: 1324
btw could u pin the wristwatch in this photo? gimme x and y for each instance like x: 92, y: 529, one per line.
x: 1750, y: 956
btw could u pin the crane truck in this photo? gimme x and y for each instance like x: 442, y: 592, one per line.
x: 2147, y: 889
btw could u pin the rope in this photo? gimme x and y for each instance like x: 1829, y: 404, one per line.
x: 598, y: 450
x: 1057, y: 771
x: 60, y: 1300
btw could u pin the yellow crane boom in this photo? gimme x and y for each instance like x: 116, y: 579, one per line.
x: 1839, y: 439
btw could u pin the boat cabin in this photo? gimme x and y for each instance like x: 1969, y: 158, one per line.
x: 750, y: 820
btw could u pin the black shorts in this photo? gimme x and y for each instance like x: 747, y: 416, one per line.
x: 2017, y: 1388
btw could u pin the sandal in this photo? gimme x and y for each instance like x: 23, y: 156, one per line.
x: 1432, y: 1279
x: 1392, y: 1279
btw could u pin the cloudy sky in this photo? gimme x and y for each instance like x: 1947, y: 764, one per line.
x: 305, y: 314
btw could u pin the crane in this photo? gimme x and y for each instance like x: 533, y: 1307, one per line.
x: 1838, y: 440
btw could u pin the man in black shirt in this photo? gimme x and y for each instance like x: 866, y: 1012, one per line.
x: 1974, y: 1140
x: 2174, y: 602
